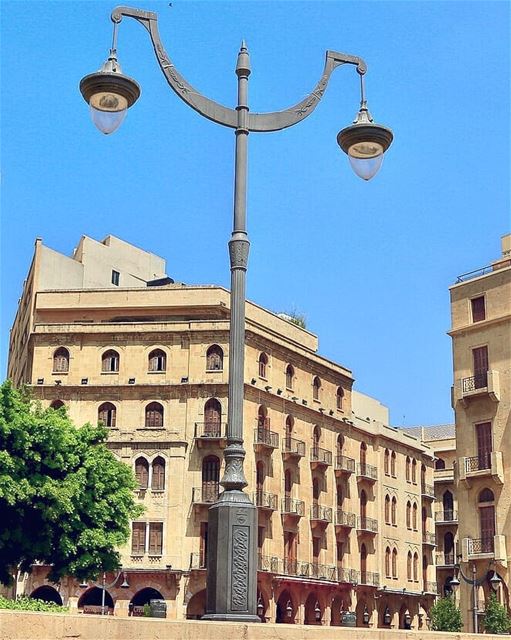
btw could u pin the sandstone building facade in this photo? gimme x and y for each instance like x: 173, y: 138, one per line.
x: 345, y: 502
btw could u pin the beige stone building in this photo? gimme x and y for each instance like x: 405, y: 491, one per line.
x: 345, y: 502
x: 481, y: 340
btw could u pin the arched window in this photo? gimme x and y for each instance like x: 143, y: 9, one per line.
x: 394, y: 563
x: 393, y: 511
x: 407, y: 469
x: 448, y: 504
x: 408, y: 515
x: 339, y: 397
x: 142, y: 472
x: 409, y: 575
x: 486, y: 520
x: 386, y: 462
x: 414, y: 517
x: 157, y: 360
x: 414, y: 471
x: 214, y: 358
x: 56, y: 404
x: 158, y: 476
x: 393, y: 464
x: 110, y: 361
x: 61, y: 360
x: 316, y: 387
x: 387, y: 509
x: 387, y: 563
x: 340, y: 444
x: 212, y: 418
x: 263, y: 362
x: 449, y: 548
x: 107, y: 414
x: 263, y: 422
x: 440, y: 463
x: 154, y: 415
x: 416, y: 567
x: 289, y: 432
x: 363, y: 454
x: 210, y: 478
x: 363, y: 505
x: 290, y: 374
x: 424, y: 520
x: 316, y: 439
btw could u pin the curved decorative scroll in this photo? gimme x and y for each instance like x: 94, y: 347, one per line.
x: 223, y: 115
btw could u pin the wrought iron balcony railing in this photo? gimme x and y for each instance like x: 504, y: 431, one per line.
x: 264, y: 436
x: 292, y: 567
x: 367, y: 471
x: 481, y: 462
x: 351, y: 576
x: 444, y: 559
x: 367, y: 524
x: 448, y: 515
x: 291, y: 506
x: 210, y: 429
x: 321, y: 456
x: 427, y: 490
x: 344, y: 464
x: 319, y: 512
x: 480, y: 545
x: 265, y: 500
x: 479, y: 381
x: 198, y: 561
x: 344, y: 519
x: 267, y: 563
x: 323, y: 572
x: 207, y: 494
x: 370, y: 578
x: 293, y: 447
x: 428, y: 538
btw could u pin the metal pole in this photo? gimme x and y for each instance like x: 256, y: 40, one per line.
x: 232, y: 520
x: 474, y: 598
x: 103, y: 595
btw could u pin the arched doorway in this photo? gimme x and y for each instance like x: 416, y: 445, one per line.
x: 91, y: 601
x: 286, y: 609
x: 212, y: 418
x: 338, y: 608
x: 448, y: 504
x: 141, y: 598
x: 313, y: 610
x: 196, y: 606
x: 47, y: 594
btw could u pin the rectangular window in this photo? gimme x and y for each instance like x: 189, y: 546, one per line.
x: 484, y: 445
x: 115, y: 277
x: 478, y: 309
x: 155, y: 538
x: 138, y: 539
x: 480, y: 357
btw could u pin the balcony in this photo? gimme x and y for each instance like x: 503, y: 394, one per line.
x: 320, y: 458
x: 367, y: 525
x: 366, y: 472
x: 349, y: 576
x: 446, y: 517
x: 369, y: 578
x: 427, y: 491
x: 292, y: 507
x: 344, y: 465
x: 344, y: 520
x: 210, y: 434
x: 205, y: 495
x: 445, y: 559
x: 430, y: 587
x: 265, y: 440
x: 323, y: 572
x: 292, y: 448
x: 197, y: 561
x: 444, y: 475
x: 292, y: 567
x: 320, y: 515
x: 488, y: 548
x: 270, y: 564
x: 483, y: 465
x: 265, y: 501
x: 429, y: 538
x: 478, y: 386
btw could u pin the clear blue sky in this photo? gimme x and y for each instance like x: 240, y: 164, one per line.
x: 369, y: 264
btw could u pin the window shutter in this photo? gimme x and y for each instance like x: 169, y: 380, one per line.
x: 155, y: 538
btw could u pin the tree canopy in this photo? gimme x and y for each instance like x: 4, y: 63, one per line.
x: 445, y: 615
x: 65, y: 500
x: 496, y: 617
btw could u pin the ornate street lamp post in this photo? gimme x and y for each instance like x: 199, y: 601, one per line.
x: 474, y: 582
x: 232, y: 551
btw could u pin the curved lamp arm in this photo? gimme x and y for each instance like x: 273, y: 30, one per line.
x: 218, y: 113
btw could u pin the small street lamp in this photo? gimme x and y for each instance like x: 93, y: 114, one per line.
x: 232, y: 520
x: 365, y: 616
x: 289, y: 609
x: 494, y: 581
x: 103, y: 586
x: 317, y: 612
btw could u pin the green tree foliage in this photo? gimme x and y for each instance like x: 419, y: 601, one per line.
x: 23, y: 603
x: 496, y: 617
x: 445, y: 615
x: 65, y: 500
